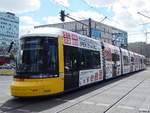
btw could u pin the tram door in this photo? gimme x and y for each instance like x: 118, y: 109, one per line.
x: 114, y: 60
x: 71, y: 75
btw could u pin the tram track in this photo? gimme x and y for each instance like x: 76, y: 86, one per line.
x: 125, y: 95
x: 122, y: 79
x: 5, y: 109
x: 110, y: 106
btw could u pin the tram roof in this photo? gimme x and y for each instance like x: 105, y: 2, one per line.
x: 55, y: 32
x: 44, y: 31
x: 51, y: 31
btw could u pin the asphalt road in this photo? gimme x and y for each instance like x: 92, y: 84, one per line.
x: 127, y: 94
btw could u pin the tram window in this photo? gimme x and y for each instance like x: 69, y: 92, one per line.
x: 145, y: 61
x: 79, y: 59
x: 83, y: 58
x: 39, y: 55
x: 95, y: 59
x: 71, y: 58
x: 53, y: 58
x: 132, y: 60
x: 89, y: 59
x: 115, y: 57
x: 125, y: 60
x: 141, y: 61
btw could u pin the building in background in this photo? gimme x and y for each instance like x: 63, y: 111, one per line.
x: 9, y: 31
x: 140, y: 47
x: 98, y: 31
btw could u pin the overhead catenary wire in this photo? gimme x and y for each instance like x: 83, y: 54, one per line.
x: 83, y: 17
x: 95, y: 9
x: 138, y: 33
x: 80, y: 18
x: 130, y: 14
x: 143, y: 15
x: 105, y: 16
x: 144, y: 31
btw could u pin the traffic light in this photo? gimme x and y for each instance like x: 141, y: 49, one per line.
x: 62, y: 15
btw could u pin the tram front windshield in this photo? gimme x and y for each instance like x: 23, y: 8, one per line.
x: 38, y: 55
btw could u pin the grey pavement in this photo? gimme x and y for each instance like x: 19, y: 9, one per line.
x: 127, y: 94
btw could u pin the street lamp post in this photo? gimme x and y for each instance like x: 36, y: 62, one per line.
x: 146, y: 33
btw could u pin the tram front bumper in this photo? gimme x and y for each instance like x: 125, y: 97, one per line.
x: 36, y: 87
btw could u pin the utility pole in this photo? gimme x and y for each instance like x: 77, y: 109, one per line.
x: 63, y: 15
x: 146, y: 37
x: 90, y: 30
x: 89, y: 25
x: 146, y: 33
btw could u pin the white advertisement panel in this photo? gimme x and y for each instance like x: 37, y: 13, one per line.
x: 126, y: 69
x: 90, y: 76
x: 80, y: 41
x: 108, y: 70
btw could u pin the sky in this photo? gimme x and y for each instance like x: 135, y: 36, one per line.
x: 120, y: 13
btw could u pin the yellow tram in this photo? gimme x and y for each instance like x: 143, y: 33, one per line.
x: 53, y: 60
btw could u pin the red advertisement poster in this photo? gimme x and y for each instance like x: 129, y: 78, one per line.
x: 66, y: 38
x: 74, y: 39
x: 90, y: 76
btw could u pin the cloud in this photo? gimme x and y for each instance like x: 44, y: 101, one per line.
x: 125, y: 15
x: 100, y: 3
x: 27, y: 20
x: 125, y: 11
x: 80, y: 15
x: 26, y: 24
x: 19, y: 6
x: 25, y: 29
x: 137, y: 37
x: 51, y: 19
x: 62, y: 2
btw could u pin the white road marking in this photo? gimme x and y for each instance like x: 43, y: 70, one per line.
x: 142, y: 110
x: 126, y: 107
x: 66, y: 100
x: 87, y: 102
x: 102, y: 104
